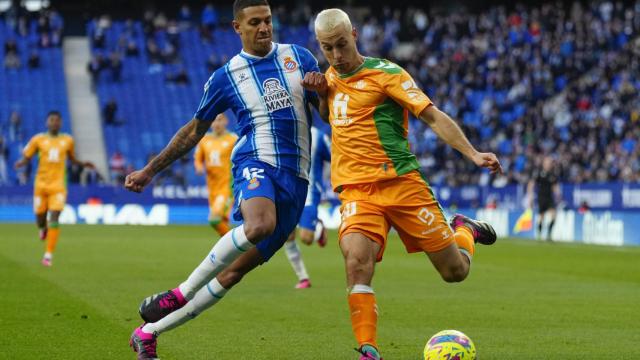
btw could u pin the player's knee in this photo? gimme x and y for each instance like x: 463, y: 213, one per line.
x: 306, y: 237
x: 260, y: 228
x: 454, y: 274
x: 358, y: 265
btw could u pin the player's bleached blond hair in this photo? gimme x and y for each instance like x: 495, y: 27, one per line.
x: 330, y: 19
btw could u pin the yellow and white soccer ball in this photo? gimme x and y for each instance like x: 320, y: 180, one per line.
x: 450, y: 345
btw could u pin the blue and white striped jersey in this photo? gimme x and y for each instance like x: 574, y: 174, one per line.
x: 320, y: 154
x: 271, y: 106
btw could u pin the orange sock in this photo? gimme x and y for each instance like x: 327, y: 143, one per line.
x: 52, y: 237
x: 364, y: 318
x: 222, y: 227
x: 464, y: 239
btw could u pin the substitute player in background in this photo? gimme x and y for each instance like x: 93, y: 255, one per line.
x: 546, y: 182
x: 310, y: 228
x: 213, y: 156
x: 50, y: 186
x: 376, y: 175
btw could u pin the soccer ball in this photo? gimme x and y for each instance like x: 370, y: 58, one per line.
x: 449, y: 345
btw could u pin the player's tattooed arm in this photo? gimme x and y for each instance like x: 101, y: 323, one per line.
x: 450, y: 132
x: 182, y: 142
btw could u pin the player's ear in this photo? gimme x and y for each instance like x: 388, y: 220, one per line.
x: 236, y: 26
x: 354, y: 33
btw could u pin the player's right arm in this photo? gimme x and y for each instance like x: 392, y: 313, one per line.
x: 28, y: 152
x: 182, y: 142
x: 213, y: 102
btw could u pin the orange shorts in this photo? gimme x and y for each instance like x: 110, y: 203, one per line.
x: 48, y: 199
x: 406, y: 203
x: 219, y: 205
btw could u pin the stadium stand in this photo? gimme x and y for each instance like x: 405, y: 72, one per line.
x: 547, y: 79
x: 32, y: 88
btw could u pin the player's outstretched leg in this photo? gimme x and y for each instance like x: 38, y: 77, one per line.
x: 145, y: 337
x: 259, y: 214
x: 482, y: 231
x: 224, y: 252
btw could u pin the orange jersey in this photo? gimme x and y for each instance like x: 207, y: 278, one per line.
x: 368, y: 112
x: 52, y: 154
x: 213, y: 153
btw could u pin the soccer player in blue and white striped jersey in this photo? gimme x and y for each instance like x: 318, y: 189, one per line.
x: 263, y: 86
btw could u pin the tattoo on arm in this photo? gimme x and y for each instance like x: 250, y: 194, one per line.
x: 182, y: 142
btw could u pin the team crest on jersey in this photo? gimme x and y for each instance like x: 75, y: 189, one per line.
x: 289, y: 64
x: 253, y: 184
x: 275, y: 96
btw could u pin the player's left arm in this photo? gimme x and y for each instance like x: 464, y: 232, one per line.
x: 71, y: 152
x: 450, y: 132
x: 399, y: 85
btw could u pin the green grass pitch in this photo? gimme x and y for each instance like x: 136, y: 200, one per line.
x: 522, y: 300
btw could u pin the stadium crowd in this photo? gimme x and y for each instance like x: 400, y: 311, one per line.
x: 525, y: 82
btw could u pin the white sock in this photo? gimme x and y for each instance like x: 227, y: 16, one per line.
x: 295, y: 258
x: 361, y: 289
x: 317, y: 234
x: 205, y: 298
x: 48, y: 255
x: 224, y: 252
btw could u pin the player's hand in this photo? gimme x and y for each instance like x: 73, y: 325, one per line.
x: 20, y: 163
x: 315, y: 81
x: 199, y: 171
x: 489, y: 161
x: 137, y: 180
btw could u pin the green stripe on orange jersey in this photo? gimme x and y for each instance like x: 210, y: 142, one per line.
x: 368, y: 112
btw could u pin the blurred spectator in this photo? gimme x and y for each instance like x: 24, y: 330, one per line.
x: 11, y: 55
x: 132, y: 49
x: 209, y: 18
x: 95, y: 67
x: 34, y: 60
x: 117, y: 166
x: 213, y: 63
x: 179, y: 78
x: 15, y: 127
x: 109, y: 112
x: 91, y: 176
x: 115, y: 65
x: 4, y: 158
x: 584, y: 207
x: 208, y: 22
x: 185, y: 18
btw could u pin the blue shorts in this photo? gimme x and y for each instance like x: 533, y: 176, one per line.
x: 309, y: 217
x: 288, y: 192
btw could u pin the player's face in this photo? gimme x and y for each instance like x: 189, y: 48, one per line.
x: 219, y: 125
x: 54, y: 123
x: 547, y: 164
x: 255, y: 29
x: 339, y: 48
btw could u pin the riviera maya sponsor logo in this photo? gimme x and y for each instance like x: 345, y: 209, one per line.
x: 289, y: 64
x: 275, y: 96
x: 253, y: 184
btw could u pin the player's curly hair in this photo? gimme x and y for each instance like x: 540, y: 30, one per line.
x: 239, y: 5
